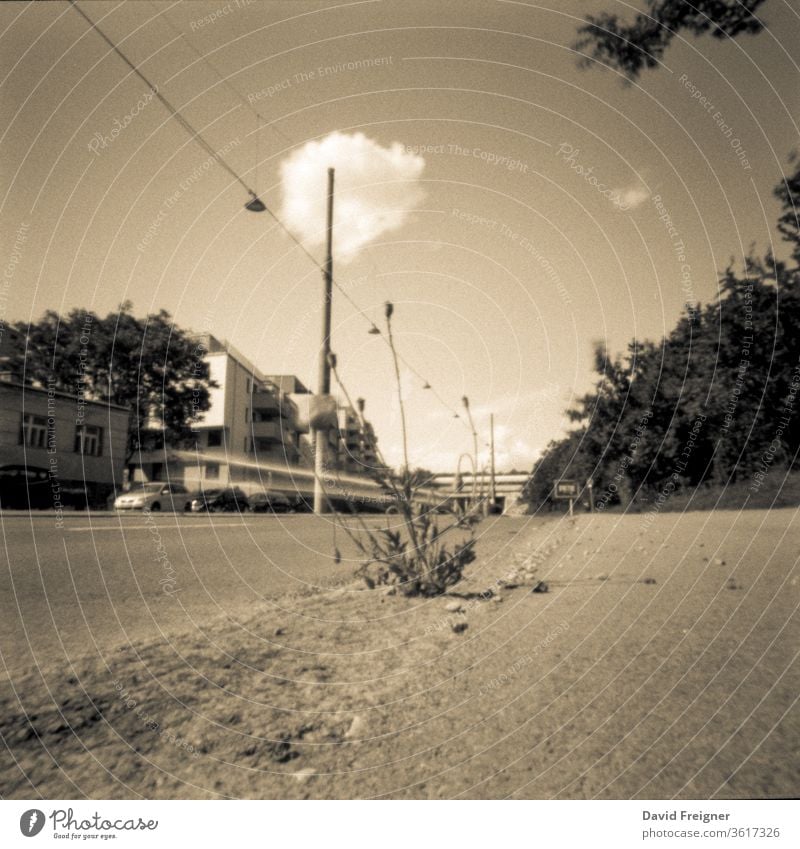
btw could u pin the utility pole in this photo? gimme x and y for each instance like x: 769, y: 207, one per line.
x: 321, y: 428
x: 492, y: 488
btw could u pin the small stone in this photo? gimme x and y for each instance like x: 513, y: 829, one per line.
x: 541, y: 587
x: 357, y: 728
x: 302, y: 775
x: 497, y: 598
x: 648, y: 580
x: 719, y: 562
x: 459, y: 627
x: 453, y: 607
x: 279, y: 632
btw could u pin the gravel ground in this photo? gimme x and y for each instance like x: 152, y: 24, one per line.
x: 661, y: 662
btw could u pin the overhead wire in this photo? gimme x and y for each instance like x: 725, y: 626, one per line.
x: 197, y: 137
x: 224, y: 80
x: 195, y: 134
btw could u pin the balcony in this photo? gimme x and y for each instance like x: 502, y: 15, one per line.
x: 265, y: 401
x: 267, y: 430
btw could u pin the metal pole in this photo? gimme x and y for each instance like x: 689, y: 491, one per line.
x: 465, y: 401
x: 321, y: 434
x: 492, y: 484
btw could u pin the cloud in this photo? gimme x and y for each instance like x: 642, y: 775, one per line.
x: 633, y: 197
x: 375, y: 189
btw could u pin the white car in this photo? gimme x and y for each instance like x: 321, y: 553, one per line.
x: 155, y: 496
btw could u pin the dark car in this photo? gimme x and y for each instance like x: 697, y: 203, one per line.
x: 230, y: 500
x: 271, y: 501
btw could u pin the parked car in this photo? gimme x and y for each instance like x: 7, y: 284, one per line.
x: 270, y: 501
x: 154, y: 496
x: 228, y: 500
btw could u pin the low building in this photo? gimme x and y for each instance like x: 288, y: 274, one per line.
x: 58, y: 450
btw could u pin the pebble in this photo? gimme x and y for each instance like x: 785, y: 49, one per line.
x: 303, y: 775
x: 453, y: 607
x: 719, y: 562
x: 357, y: 728
x: 279, y: 632
x: 459, y: 627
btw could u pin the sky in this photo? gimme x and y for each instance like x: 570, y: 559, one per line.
x: 515, y: 208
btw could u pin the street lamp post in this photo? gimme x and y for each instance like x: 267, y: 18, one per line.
x: 492, y: 484
x: 465, y: 401
x: 458, y: 478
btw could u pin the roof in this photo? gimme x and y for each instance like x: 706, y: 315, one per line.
x: 56, y: 392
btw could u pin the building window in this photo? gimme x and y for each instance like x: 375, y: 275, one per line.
x: 214, y: 438
x: 34, y: 431
x: 247, y: 414
x: 212, y: 471
x: 89, y: 440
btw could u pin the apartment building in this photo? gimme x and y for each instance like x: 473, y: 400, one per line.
x: 249, y: 436
x: 356, y: 443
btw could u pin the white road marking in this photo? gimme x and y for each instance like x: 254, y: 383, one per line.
x: 179, y: 525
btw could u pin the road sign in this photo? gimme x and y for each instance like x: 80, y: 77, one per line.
x: 565, y: 489
x: 322, y: 412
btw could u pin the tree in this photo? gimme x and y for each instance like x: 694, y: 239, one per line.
x: 788, y: 192
x: 633, y: 47
x: 148, y: 365
x: 720, y: 390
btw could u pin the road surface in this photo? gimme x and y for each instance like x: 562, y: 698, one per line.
x: 105, y: 579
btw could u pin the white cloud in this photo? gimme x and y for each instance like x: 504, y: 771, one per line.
x: 375, y: 189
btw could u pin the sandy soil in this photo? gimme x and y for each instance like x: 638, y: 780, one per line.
x: 661, y: 663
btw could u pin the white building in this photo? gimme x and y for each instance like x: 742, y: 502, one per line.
x: 249, y: 435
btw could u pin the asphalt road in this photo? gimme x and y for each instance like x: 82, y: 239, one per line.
x: 104, y: 580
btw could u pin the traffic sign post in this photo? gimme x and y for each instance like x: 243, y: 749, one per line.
x: 566, y: 489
